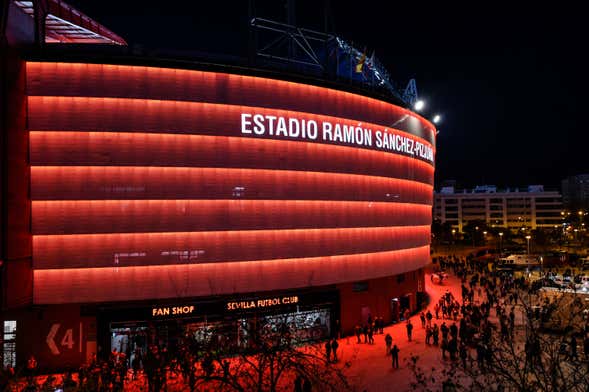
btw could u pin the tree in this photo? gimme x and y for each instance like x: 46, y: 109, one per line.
x: 269, y: 358
x: 537, y: 356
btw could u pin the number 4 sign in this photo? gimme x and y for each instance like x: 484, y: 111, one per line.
x: 67, y: 340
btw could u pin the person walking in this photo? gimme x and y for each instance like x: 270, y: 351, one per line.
x: 365, y: 331
x: 388, y: 339
x: 574, y: 355
x: 422, y: 318
x: 358, y: 331
x: 436, y: 334
x: 395, y: 356
x: 371, y: 332
x: 298, y: 384
x: 328, y: 350
x: 428, y: 334
x: 334, y: 346
x: 429, y: 317
x: 409, y: 329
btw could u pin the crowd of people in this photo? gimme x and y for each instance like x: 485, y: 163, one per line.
x: 464, y: 328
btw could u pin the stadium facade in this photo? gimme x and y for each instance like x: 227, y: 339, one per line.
x: 144, y: 199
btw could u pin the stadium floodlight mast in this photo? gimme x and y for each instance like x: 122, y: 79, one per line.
x: 419, y: 105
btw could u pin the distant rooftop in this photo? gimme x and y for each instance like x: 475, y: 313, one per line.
x: 451, y: 190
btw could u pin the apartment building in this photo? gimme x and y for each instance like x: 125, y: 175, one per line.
x: 513, y: 208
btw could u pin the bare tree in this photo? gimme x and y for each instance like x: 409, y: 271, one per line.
x: 535, y: 355
x: 269, y: 357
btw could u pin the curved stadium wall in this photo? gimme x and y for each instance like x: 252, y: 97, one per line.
x: 153, y: 183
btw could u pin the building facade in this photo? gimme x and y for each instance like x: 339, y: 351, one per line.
x: 531, y: 208
x: 145, y: 199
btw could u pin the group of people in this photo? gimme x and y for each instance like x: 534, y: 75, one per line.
x: 369, y: 329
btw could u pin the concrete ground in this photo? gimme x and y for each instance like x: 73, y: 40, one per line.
x: 370, y: 369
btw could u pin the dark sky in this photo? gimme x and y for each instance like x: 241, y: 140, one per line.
x: 509, y: 79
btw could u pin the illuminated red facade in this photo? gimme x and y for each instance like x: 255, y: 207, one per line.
x: 144, y: 187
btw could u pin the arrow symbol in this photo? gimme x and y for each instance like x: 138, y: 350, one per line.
x: 50, y: 341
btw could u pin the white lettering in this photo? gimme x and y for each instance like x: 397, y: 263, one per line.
x: 245, y: 123
x: 305, y: 129
x: 327, y: 127
x: 281, y: 128
x: 294, y: 127
x: 259, y: 124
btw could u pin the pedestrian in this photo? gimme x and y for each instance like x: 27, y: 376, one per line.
x: 444, y: 346
x: 307, y: 385
x: 428, y: 334
x: 358, y: 331
x: 436, y: 334
x: 388, y: 339
x: 429, y: 317
x: 422, y: 318
x: 328, y: 350
x: 395, y: 356
x: 437, y: 311
x: 365, y: 331
x: 31, y: 369
x: 574, y: 348
x: 338, y: 329
x: 334, y: 346
x: 298, y: 384
x: 409, y: 329
x: 370, y: 335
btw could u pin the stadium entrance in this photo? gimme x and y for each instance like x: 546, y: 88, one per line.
x: 228, y: 323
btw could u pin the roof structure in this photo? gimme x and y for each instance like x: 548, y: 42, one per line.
x: 65, y: 24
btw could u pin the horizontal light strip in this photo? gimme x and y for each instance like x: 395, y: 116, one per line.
x: 58, y: 148
x: 134, y: 182
x: 125, y: 216
x: 96, y: 250
x: 83, y: 285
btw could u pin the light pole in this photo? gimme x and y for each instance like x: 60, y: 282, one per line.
x: 528, y: 237
x: 453, y: 239
x: 500, y: 244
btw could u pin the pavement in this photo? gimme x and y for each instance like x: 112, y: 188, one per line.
x: 368, y: 368
x: 371, y: 369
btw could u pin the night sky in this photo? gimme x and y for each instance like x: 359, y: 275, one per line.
x: 510, y: 80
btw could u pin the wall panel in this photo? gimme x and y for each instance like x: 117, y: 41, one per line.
x: 144, y: 186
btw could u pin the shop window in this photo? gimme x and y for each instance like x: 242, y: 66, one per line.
x: 360, y: 286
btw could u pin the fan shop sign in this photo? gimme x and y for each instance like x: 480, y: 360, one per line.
x: 261, y: 303
x: 170, y: 311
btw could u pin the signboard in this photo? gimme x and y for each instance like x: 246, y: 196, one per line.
x: 261, y: 303
x: 171, y: 311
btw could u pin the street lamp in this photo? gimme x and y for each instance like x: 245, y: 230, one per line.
x: 528, y: 237
x: 419, y: 105
x: 500, y: 243
x: 453, y: 239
